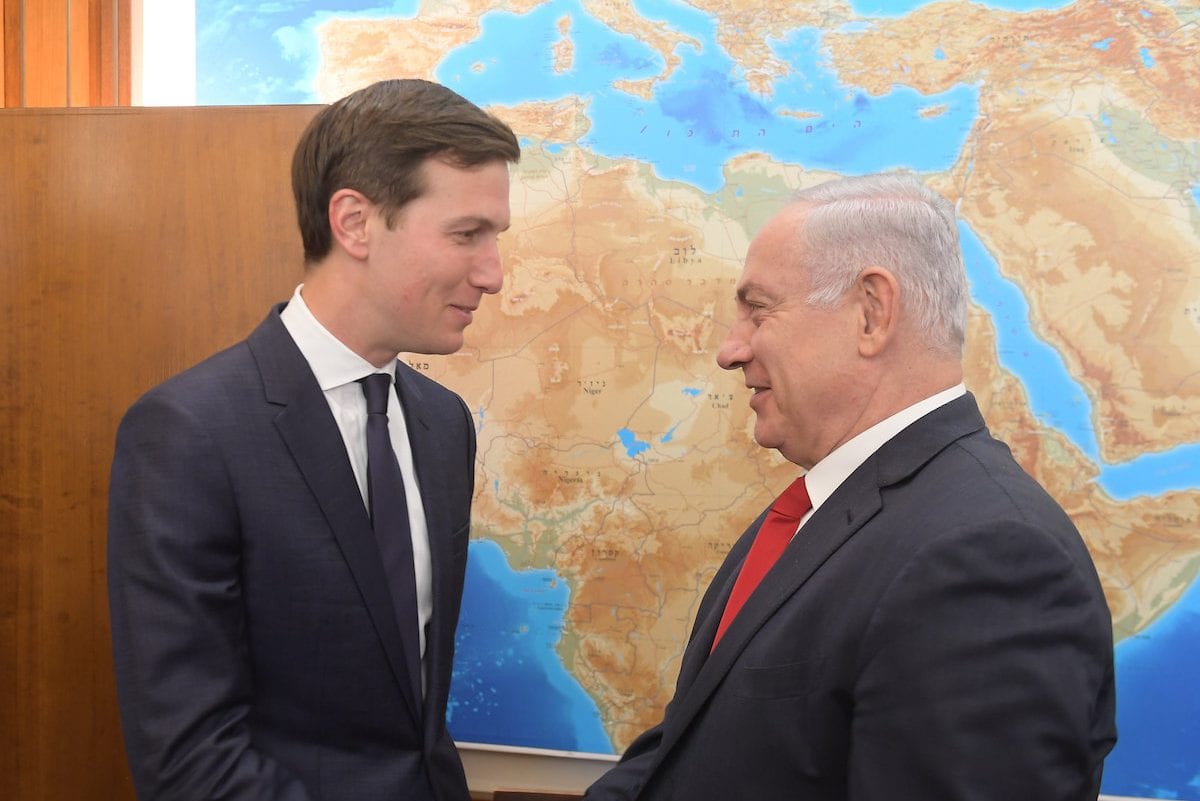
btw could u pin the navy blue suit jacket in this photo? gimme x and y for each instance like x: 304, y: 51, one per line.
x: 935, y: 632
x: 257, y: 653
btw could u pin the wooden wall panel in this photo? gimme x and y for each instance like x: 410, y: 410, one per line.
x: 101, y: 55
x: 44, y: 51
x: 132, y: 244
x: 121, y: 29
x: 79, y: 51
x: 11, y: 45
x: 66, y: 53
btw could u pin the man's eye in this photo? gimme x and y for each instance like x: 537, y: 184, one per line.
x: 756, y: 312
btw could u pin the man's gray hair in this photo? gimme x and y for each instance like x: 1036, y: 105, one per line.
x: 889, y: 220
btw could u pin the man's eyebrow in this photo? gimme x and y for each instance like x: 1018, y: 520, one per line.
x: 474, y: 221
x: 746, y: 289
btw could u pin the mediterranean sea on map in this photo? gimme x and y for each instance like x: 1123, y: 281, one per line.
x: 515, y: 682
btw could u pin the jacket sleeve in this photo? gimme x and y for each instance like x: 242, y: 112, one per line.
x: 179, y: 631
x: 626, y: 778
x: 984, y: 674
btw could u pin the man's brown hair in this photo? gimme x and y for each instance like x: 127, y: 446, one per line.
x: 375, y: 141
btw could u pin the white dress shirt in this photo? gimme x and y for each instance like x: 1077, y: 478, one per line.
x: 829, y: 473
x: 337, y: 370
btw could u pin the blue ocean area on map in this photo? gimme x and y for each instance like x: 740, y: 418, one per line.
x: 1157, y: 692
x: 510, y: 685
x: 250, y: 53
x: 704, y: 114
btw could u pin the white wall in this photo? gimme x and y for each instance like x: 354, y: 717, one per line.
x: 163, y: 53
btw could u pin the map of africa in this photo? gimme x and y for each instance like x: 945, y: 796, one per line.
x: 616, y: 459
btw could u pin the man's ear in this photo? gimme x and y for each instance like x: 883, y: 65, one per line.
x: 879, y: 295
x: 349, y: 211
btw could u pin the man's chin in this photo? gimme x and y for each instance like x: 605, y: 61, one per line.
x: 443, y: 348
x: 764, y: 437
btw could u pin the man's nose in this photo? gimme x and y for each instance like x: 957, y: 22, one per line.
x: 488, y: 273
x: 735, y: 349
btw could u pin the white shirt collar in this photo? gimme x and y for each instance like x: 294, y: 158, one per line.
x: 331, y: 361
x: 829, y: 473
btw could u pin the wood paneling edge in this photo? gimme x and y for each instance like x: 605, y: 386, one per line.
x: 124, y: 52
x: 11, y: 93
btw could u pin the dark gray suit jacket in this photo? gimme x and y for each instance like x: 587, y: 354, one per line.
x: 935, y: 632
x: 257, y: 654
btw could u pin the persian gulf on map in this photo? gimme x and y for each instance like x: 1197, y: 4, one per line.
x: 617, y: 460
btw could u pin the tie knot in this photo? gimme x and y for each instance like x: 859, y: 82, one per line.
x: 794, y: 501
x: 375, y: 388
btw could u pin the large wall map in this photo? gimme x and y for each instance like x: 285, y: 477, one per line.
x: 616, y: 459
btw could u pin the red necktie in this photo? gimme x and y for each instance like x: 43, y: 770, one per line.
x: 773, y: 536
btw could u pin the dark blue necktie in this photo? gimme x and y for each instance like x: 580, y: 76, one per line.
x: 389, y: 518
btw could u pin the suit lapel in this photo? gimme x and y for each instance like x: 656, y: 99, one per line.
x: 429, y: 462
x: 311, y: 435
x: 856, y: 501
x: 821, y: 536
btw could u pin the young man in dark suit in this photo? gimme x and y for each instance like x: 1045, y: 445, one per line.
x: 929, y: 625
x: 274, y: 638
